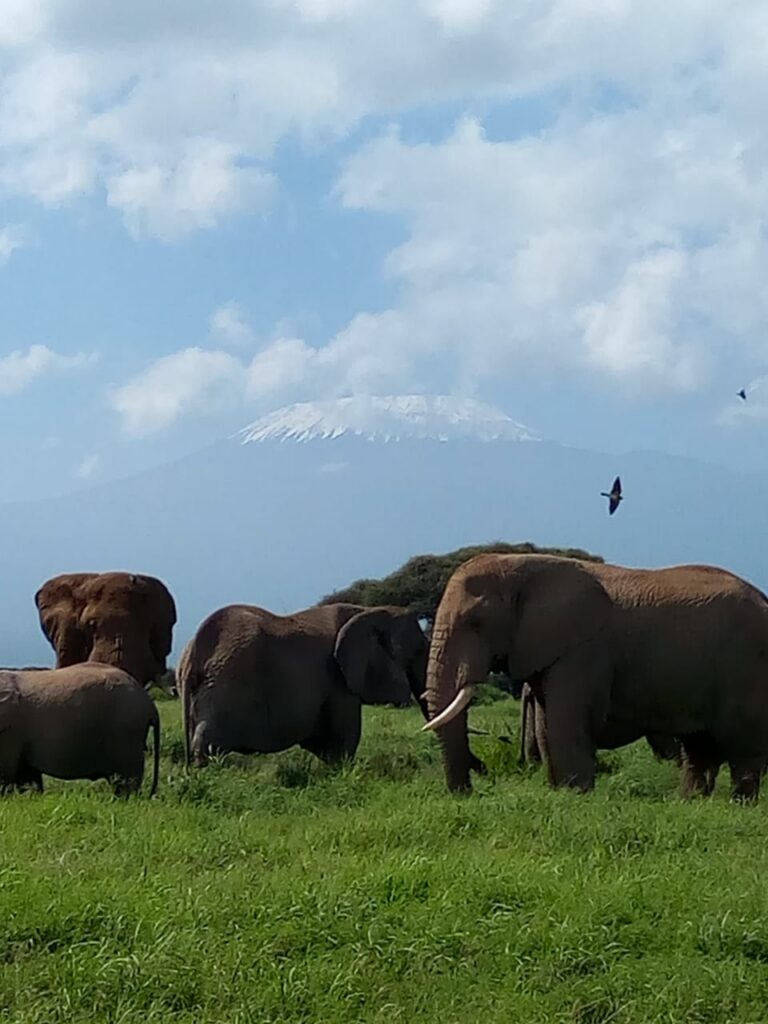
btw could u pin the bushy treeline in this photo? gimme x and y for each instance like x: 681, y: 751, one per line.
x: 420, y: 582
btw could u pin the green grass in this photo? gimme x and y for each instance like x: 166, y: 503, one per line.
x: 271, y: 889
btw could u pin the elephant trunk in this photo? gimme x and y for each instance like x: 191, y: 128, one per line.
x: 70, y: 646
x: 450, y: 686
x: 127, y: 652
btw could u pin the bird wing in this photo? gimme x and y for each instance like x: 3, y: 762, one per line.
x: 613, y: 504
x: 616, y: 489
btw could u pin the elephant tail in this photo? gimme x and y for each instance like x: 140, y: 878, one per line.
x: 155, y: 724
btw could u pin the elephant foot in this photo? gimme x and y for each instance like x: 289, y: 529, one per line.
x: 745, y: 782
x: 696, y: 781
x: 700, y: 765
x: 28, y: 778
x: 123, y: 787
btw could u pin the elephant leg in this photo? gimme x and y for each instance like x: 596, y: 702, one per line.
x: 665, y: 748
x: 10, y: 761
x: 129, y: 773
x: 337, y: 736
x: 124, y: 786
x: 539, y: 729
x: 28, y: 777
x: 572, y: 701
x: 200, y: 747
x: 700, y: 764
x: 745, y: 778
x: 531, y: 749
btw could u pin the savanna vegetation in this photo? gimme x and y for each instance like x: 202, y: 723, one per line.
x: 272, y: 889
x: 419, y: 584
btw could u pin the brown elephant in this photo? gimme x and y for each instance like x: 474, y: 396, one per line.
x: 611, y: 654
x: 251, y: 681
x: 115, y: 618
x: 665, y: 748
x: 83, y: 722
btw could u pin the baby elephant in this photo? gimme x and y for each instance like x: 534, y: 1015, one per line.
x: 82, y: 722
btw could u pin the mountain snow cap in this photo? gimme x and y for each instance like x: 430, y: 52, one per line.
x: 388, y: 418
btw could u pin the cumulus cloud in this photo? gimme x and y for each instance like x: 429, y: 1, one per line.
x: 205, y: 185
x: 176, y: 109
x: 190, y: 380
x: 619, y: 245
x: 19, y: 369
x: 613, y: 228
x: 229, y: 325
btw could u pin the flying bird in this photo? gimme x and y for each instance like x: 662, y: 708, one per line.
x: 614, y: 496
x: 742, y: 394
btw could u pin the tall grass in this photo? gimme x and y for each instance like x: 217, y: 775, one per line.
x: 273, y: 889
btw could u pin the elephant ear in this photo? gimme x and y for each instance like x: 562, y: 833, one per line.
x: 58, y: 604
x: 364, y: 653
x: 162, y: 618
x: 563, y: 606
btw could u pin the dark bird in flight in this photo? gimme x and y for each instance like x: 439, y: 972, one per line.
x: 614, y: 496
x: 742, y: 394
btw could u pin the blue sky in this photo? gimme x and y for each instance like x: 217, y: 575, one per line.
x: 210, y: 209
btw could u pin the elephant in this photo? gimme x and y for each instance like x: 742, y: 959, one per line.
x: 665, y: 748
x: 114, y: 618
x: 87, y: 721
x: 611, y: 654
x: 252, y: 681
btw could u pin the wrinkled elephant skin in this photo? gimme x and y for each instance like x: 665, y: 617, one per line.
x: 113, y: 618
x: 251, y: 681
x: 87, y: 721
x: 611, y: 654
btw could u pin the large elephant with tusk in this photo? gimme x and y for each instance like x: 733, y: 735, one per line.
x: 611, y: 654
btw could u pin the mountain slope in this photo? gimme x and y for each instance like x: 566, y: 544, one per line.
x: 279, y: 522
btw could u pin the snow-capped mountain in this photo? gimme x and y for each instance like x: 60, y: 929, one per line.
x: 313, y: 496
x: 388, y: 418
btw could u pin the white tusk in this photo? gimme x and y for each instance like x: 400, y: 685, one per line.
x: 457, y: 705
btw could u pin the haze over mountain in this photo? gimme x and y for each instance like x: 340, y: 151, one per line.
x: 312, y: 496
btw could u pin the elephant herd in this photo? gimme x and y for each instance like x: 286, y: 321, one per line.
x: 608, y: 655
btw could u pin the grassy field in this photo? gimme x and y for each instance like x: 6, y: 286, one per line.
x: 270, y: 889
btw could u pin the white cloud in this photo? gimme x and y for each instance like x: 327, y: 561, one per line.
x: 19, y: 369
x: 175, y: 109
x: 616, y: 244
x: 229, y: 325
x: 11, y: 239
x: 614, y: 228
x: 205, y: 185
x: 21, y: 21
x: 89, y: 465
x: 630, y: 333
x: 191, y: 380
x: 280, y: 367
